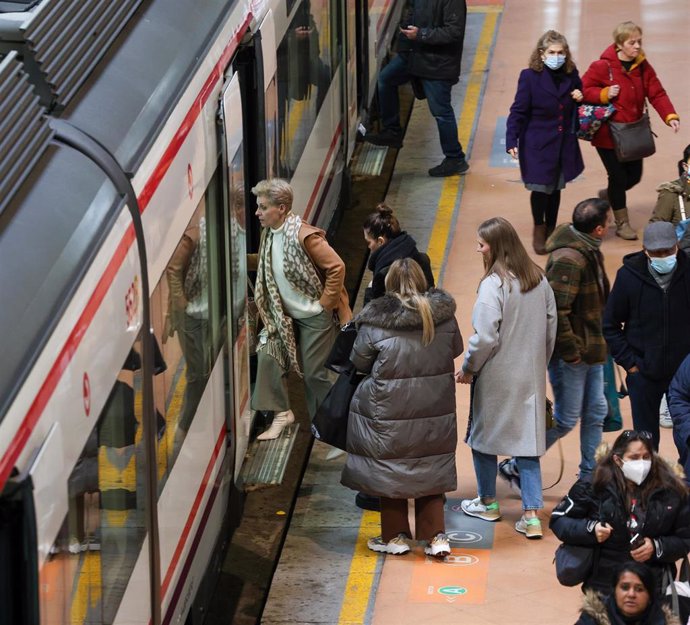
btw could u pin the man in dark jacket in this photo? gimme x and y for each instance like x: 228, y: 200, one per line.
x: 647, y: 319
x: 430, y: 52
x: 679, y: 407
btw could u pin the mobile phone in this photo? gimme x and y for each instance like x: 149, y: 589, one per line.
x: 636, y: 541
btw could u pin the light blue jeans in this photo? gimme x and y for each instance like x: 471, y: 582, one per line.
x: 578, y: 395
x: 485, y: 469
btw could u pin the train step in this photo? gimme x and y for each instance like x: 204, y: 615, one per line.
x: 265, y: 462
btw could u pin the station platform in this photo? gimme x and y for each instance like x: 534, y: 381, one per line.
x: 494, y: 575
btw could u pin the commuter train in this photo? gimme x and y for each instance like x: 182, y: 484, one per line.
x: 130, y: 135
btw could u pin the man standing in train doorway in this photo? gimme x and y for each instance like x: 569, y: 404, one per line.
x: 429, y: 55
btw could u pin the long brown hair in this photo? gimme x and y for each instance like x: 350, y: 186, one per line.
x: 405, y: 279
x: 549, y: 38
x: 507, y: 256
x: 660, y: 475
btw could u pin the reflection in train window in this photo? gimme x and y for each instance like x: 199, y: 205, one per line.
x: 304, y: 75
x: 94, y: 556
x: 187, y: 320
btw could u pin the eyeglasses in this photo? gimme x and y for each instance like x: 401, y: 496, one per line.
x: 636, y: 434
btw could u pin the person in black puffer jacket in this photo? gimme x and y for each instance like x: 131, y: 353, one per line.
x: 635, y: 508
x: 387, y: 243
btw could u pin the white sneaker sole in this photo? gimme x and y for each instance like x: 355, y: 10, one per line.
x: 523, y: 531
x: 393, y: 550
x: 437, y: 553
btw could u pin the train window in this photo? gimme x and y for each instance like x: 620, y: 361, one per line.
x: 186, y: 312
x: 91, y: 563
x: 305, y: 70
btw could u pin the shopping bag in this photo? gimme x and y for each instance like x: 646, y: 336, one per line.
x: 590, y: 117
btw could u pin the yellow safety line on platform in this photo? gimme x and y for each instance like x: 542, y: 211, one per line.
x: 353, y: 609
x: 451, y: 185
x: 363, y: 564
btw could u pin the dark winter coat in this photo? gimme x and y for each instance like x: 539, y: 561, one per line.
x: 401, y: 435
x: 436, y: 53
x: 667, y: 522
x: 541, y: 126
x: 573, y: 271
x: 596, y: 610
x: 679, y: 406
x: 380, y: 260
x: 645, y: 326
x: 639, y: 82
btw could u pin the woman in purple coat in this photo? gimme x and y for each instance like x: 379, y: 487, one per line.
x: 541, y: 130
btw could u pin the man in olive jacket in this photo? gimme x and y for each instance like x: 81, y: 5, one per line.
x: 430, y: 53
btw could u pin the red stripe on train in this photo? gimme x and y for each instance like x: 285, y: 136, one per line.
x: 15, y: 448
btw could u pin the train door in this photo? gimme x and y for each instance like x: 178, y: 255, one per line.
x: 236, y: 259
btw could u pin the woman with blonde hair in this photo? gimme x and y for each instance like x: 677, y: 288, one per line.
x: 401, y: 437
x: 539, y: 130
x: 622, y: 76
x: 514, y: 322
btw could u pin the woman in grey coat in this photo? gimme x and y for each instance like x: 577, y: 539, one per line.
x: 514, y: 322
x: 401, y: 436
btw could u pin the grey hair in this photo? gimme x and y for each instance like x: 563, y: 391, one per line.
x: 276, y: 190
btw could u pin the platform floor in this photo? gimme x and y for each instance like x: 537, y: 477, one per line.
x: 494, y: 575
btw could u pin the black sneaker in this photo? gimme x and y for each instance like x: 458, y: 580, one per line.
x: 388, y: 138
x: 368, y: 502
x: 450, y: 167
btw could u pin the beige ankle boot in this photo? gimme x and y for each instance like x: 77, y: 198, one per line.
x: 539, y: 239
x: 623, y: 229
x: 280, y: 420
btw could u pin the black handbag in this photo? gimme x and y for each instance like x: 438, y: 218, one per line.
x: 574, y: 563
x: 339, y: 358
x: 329, y: 424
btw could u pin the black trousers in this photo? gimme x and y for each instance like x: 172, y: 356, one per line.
x: 645, y: 397
x: 622, y: 176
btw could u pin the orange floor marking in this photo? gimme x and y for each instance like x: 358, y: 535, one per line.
x: 461, y: 578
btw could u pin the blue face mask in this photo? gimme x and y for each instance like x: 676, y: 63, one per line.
x: 663, y: 265
x: 554, y: 62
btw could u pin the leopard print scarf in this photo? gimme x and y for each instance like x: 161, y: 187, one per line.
x: 302, y: 276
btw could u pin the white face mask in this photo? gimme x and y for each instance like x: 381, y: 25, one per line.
x: 636, y: 470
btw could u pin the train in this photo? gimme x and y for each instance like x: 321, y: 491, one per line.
x: 131, y: 135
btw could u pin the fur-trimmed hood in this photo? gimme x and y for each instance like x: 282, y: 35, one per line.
x: 594, y: 606
x: 388, y: 312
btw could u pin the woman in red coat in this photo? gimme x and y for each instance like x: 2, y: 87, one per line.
x: 623, y: 77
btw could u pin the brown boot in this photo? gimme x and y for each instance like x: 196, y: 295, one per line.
x: 603, y: 194
x: 623, y: 229
x: 539, y: 239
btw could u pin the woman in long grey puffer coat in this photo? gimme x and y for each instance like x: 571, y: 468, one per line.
x: 401, y: 437
x: 514, y: 322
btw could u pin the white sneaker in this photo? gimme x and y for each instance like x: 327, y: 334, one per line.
x: 486, y: 512
x: 439, y: 547
x: 280, y: 421
x: 396, y: 547
x: 665, y: 420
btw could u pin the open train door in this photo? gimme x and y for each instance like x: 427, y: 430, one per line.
x: 239, y: 412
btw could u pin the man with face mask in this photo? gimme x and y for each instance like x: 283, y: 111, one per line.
x: 646, y: 321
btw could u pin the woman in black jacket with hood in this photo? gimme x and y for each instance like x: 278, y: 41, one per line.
x: 635, y: 508
x: 388, y: 243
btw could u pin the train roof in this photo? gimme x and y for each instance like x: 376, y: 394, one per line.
x: 54, y: 223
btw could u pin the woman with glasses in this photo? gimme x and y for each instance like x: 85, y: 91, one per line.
x: 635, y: 509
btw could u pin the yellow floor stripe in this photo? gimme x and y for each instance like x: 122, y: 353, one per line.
x: 363, y: 565
x: 361, y: 577
x: 451, y: 185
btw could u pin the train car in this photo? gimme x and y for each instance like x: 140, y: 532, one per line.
x: 131, y: 134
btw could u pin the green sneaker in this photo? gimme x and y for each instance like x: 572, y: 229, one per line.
x: 486, y: 512
x: 529, y: 527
